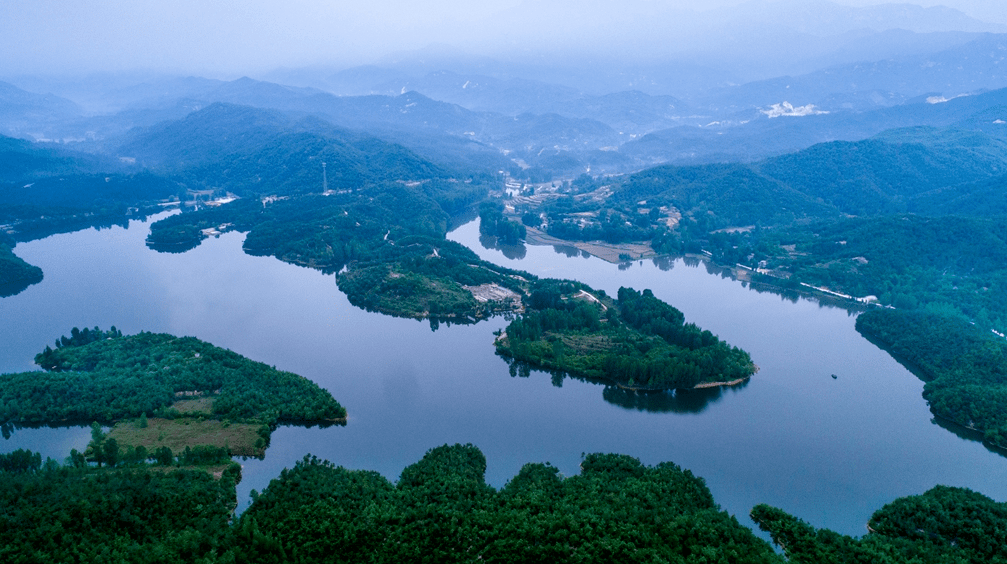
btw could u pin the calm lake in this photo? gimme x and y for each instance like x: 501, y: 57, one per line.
x: 830, y: 451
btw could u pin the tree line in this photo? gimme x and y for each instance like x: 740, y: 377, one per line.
x: 964, y: 367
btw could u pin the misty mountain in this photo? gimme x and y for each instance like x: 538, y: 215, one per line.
x: 755, y: 40
x: 246, y: 149
x: 428, y: 125
x: 26, y: 114
x: 752, y: 135
x: 935, y: 171
x: 977, y: 65
x: 203, y: 136
x: 632, y: 112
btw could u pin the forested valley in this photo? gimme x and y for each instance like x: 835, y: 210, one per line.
x: 896, y: 217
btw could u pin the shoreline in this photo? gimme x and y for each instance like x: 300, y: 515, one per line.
x: 722, y: 384
x: 607, y: 252
x: 828, y: 297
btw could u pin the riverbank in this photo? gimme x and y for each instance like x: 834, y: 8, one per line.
x: 607, y: 252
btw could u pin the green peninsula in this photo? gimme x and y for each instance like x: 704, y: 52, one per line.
x: 162, y: 390
x: 636, y: 341
x: 424, y: 277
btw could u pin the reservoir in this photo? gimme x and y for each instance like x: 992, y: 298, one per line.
x: 828, y: 450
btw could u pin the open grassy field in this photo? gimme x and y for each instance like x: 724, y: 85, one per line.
x: 242, y: 439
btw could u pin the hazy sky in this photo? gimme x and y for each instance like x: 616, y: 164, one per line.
x: 239, y: 36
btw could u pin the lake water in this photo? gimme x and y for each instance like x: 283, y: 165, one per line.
x: 830, y: 451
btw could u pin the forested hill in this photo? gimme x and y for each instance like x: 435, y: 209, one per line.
x: 46, y: 189
x: 22, y: 162
x: 254, y: 151
x: 385, y: 213
x: 911, y: 217
x: 892, y: 173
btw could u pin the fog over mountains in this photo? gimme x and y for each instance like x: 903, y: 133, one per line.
x: 553, y: 86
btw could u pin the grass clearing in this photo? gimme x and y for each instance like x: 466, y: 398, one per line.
x: 587, y: 344
x: 241, y: 438
x: 198, y: 406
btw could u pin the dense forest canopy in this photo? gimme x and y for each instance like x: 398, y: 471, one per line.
x: 133, y: 513
x: 493, y: 223
x: 892, y: 173
x: 637, y: 340
x: 441, y: 510
x: 96, y: 375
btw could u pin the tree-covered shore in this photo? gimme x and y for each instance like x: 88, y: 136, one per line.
x: 104, y: 376
x: 944, y: 525
x: 440, y: 509
x: 964, y: 367
x: 636, y: 340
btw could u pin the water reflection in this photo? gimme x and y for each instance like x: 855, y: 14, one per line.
x: 15, y: 288
x: 664, y: 401
x: 567, y: 250
x: 175, y: 248
x: 665, y: 263
x: 966, y: 433
x: 513, y: 252
x: 671, y: 401
x: 7, y: 429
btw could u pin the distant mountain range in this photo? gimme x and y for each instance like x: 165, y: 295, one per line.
x: 484, y: 115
